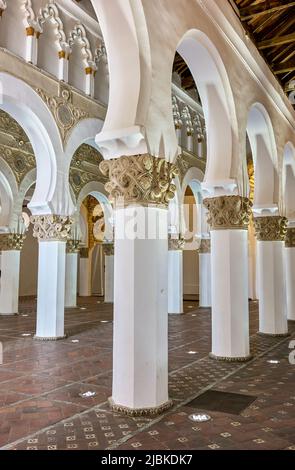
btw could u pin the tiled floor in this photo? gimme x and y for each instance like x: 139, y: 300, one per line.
x: 41, y: 383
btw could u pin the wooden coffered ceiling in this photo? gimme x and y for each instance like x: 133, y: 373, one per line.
x: 271, y: 26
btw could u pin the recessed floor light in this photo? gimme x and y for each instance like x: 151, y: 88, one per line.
x: 26, y: 334
x: 88, y: 394
x: 82, y: 308
x: 104, y: 321
x: 24, y: 315
x: 192, y: 352
x: 199, y: 417
x: 273, y: 361
x: 190, y: 306
x: 75, y: 340
x: 98, y: 302
x: 194, y: 315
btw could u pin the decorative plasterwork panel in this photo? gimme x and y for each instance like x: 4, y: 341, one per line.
x: 15, y: 147
x: 85, y: 168
x: 187, y: 160
x: 65, y: 113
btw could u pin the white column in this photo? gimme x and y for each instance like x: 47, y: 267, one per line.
x: 205, y: 279
x: 109, y: 278
x: 9, y: 282
x: 71, y: 280
x: 140, y: 352
x: 228, y: 217
x: 175, y: 281
x: 31, y: 45
x: 290, y: 272
x: 85, y: 274
x: 63, y: 66
x: 51, y: 290
x: 271, y: 276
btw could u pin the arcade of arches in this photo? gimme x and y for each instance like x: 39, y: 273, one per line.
x: 147, y: 229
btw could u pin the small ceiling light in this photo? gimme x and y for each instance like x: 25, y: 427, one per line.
x: 88, y: 394
x: 273, y: 361
x: 199, y: 417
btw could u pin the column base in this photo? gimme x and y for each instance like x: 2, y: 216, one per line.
x: 49, y: 338
x: 139, y: 411
x: 279, y: 335
x: 8, y: 314
x: 231, y: 359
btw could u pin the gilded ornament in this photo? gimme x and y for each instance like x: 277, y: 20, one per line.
x: 290, y: 238
x: 228, y: 212
x: 73, y: 246
x: 140, y: 179
x: 205, y: 246
x: 175, y: 244
x: 12, y: 241
x: 270, y: 228
x: 140, y: 411
x: 108, y: 249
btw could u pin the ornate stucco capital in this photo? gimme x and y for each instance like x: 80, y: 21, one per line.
x: 73, y: 246
x: 108, y: 249
x: 205, y: 246
x: 51, y: 227
x: 270, y: 228
x: 139, y: 179
x: 84, y: 252
x: 290, y: 238
x: 12, y: 241
x: 228, y: 212
x: 175, y: 244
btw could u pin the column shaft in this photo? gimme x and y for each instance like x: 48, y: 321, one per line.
x: 9, y: 282
x: 71, y: 280
x: 51, y: 290
x: 109, y: 279
x: 175, y: 281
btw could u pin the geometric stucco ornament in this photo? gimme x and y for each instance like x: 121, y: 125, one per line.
x: 139, y: 179
x: 228, y: 212
x: 290, y: 238
x: 51, y: 227
x: 175, y: 244
x: 108, y: 248
x: 270, y: 228
x: 12, y: 241
x: 65, y: 113
x: 205, y: 246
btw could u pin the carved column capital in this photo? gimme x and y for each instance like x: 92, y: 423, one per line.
x: 51, y: 227
x: 205, y: 246
x: 175, y: 244
x: 270, y: 228
x: 73, y: 246
x: 228, y: 212
x: 12, y: 241
x: 108, y: 249
x: 140, y: 179
x: 84, y: 252
x: 290, y: 238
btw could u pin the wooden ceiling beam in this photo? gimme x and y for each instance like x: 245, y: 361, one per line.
x: 269, y: 6
x: 276, y: 41
x: 284, y: 67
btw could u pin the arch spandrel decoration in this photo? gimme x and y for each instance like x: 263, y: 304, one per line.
x: 85, y: 168
x: 64, y: 112
x: 15, y: 147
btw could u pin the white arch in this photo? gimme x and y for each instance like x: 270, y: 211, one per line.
x: 6, y: 202
x: 288, y: 181
x: 96, y: 189
x: 25, y: 185
x: 214, y: 88
x: 264, y: 152
x: 83, y: 133
x: 28, y: 109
